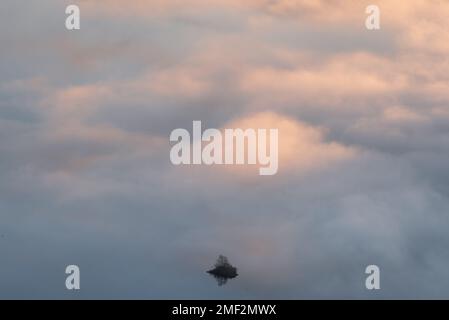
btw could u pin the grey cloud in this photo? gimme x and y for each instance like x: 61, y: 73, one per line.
x: 140, y: 228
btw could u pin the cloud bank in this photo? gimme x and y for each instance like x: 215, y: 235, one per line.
x: 364, y: 140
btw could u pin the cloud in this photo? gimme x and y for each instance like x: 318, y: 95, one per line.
x: 302, y: 148
x: 350, y: 77
x: 364, y: 139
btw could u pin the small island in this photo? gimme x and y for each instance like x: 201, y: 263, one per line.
x: 223, y: 270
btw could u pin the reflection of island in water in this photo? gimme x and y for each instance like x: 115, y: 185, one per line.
x: 223, y: 270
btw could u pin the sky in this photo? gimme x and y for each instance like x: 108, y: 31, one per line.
x: 86, y: 178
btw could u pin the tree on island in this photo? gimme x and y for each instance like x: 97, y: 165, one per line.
x: 223, y: 270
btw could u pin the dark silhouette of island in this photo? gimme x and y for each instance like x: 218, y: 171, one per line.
x: 223, y: 270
